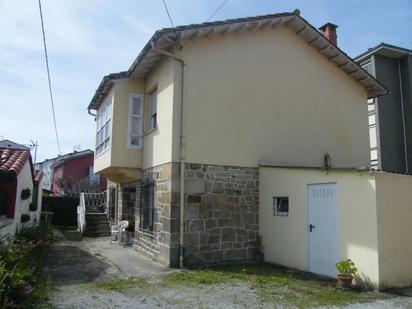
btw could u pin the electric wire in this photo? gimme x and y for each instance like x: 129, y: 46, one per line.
x: 217, y: 10
x: 48, y: 77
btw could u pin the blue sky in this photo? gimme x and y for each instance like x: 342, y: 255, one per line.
x: 90, y: 38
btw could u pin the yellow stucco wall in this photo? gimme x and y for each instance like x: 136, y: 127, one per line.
x: 267, y: 95
x: 285, y: 239
x: 157, y: 144
x: 394, y: 202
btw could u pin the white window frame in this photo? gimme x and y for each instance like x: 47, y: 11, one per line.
x: 151, y: 125
x: 104, y: 110
x: 130, y: 116
x: 276, y: 208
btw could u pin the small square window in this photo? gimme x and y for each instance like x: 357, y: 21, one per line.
x: 281, y: 206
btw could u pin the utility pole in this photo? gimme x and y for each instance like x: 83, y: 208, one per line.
x: 34, y: 145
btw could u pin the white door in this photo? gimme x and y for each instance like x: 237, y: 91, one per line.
x: 323, y: 229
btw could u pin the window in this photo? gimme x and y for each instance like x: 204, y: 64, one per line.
x: 103, y: 119
x: 135, y: 132
x: 367, y: 67
x: 92, y: 175
x: 281, y: 206
x: 4, y: 201
x: 153, y: 109
x: 147, y: 206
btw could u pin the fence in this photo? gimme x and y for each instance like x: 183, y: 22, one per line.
x: 64, y: 209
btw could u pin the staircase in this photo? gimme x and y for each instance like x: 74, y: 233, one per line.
x: 97, y: 225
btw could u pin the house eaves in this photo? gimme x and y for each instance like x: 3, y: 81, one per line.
x: 386, y: 50
x: 169, y: 38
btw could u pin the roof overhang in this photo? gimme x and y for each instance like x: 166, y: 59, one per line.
x: 386, y: 50
x: 169, y: 38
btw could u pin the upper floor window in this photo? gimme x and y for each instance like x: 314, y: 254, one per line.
x: 153, y: 109
x: 135, y: 131
x: 103, y: 119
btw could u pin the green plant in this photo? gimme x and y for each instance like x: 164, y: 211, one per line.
x: 346, y: 268
x: 33, y: 206
x: 25, y: 193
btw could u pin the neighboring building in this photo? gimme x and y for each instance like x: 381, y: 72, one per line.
x: 19, y: 191
x: 390, y: 116
x: 9, y: 144
x: 73, y: 173
x: 45, y: 167
x: 186, y: 132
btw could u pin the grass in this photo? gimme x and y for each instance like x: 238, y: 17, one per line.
x: 71, y: 234
x: 272, y: 284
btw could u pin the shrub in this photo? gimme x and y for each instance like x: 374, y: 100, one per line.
x: 19, y: 256
x: 25, y: 193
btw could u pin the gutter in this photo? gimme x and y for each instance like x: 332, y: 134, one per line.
x: 182, y: 153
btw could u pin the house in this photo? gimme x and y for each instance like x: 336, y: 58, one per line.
x: 188, y: 132
x: 20, y: 198
x: 390, y: 120
x: 73, y: 173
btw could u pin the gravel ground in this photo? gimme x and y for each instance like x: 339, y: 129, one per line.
x: 211, y: 296
x: 80, y: 270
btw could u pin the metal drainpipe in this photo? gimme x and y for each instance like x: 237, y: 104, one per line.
x: 403, y: 118
x: 182, y: 153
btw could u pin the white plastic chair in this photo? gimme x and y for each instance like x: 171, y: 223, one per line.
x: 117, y: 230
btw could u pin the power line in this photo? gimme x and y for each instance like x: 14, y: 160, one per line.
x: 48, y: 76
x: 168, y: 14
x: 217, y: 10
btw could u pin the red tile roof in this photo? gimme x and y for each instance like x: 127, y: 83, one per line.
x: 38, y: 175
x: 13, y: 160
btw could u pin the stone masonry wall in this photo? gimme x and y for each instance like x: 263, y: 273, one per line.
x: 221, y: 213
x: 161, y: 244
x: 128, y: 200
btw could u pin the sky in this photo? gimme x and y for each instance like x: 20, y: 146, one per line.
x: 90, y: 38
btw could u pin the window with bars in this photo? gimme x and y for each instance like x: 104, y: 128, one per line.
x: 153, y: 109
x: 135, y: 131
x: 103, y: 119
x: 147, y: 206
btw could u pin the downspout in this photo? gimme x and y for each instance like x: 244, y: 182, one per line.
x: 403, y: 118
x: 182, y: 153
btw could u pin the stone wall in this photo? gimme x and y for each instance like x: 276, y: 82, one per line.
x: 162, y: 244
x: 221, y: 213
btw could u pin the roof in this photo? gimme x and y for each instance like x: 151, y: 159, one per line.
x: 386, y: 50
x: 168, y: 38
x: 38, y: 175
x: 69, y: 156
x: 12, y: 160
x: 10, y: 144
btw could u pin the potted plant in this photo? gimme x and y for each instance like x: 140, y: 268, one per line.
x: 346, y: 271
x: 25, y: 193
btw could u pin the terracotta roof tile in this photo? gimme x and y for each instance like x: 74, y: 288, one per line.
x: 12, y: 160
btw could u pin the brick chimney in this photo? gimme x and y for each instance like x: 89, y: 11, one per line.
x: 329, y: 31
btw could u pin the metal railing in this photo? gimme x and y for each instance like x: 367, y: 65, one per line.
x: 91, y: 203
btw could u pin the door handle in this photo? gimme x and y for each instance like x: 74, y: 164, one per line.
x: 311, y: 227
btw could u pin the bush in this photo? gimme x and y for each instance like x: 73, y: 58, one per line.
x: 19, y: 256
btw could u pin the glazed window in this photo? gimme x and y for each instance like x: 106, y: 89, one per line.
x: 281, y: 206
x: 147, y: 206
x: 135, y: 130
x: 153, y: 109
x: 103, y: 133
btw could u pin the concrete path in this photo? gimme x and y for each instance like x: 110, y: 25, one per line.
x: 96, y: 259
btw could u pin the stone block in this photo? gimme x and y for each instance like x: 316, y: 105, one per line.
x: 228, y: 234
x: 217, y: 187
x: 235, y: 254
x: 210, y: 224
x: 191, y: 239
x: 196, y: 226
x: 194, y: 199
x: 191, y: 212
x: 193, y: 186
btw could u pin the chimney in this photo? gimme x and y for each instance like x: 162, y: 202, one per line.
x: 329, y: 31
